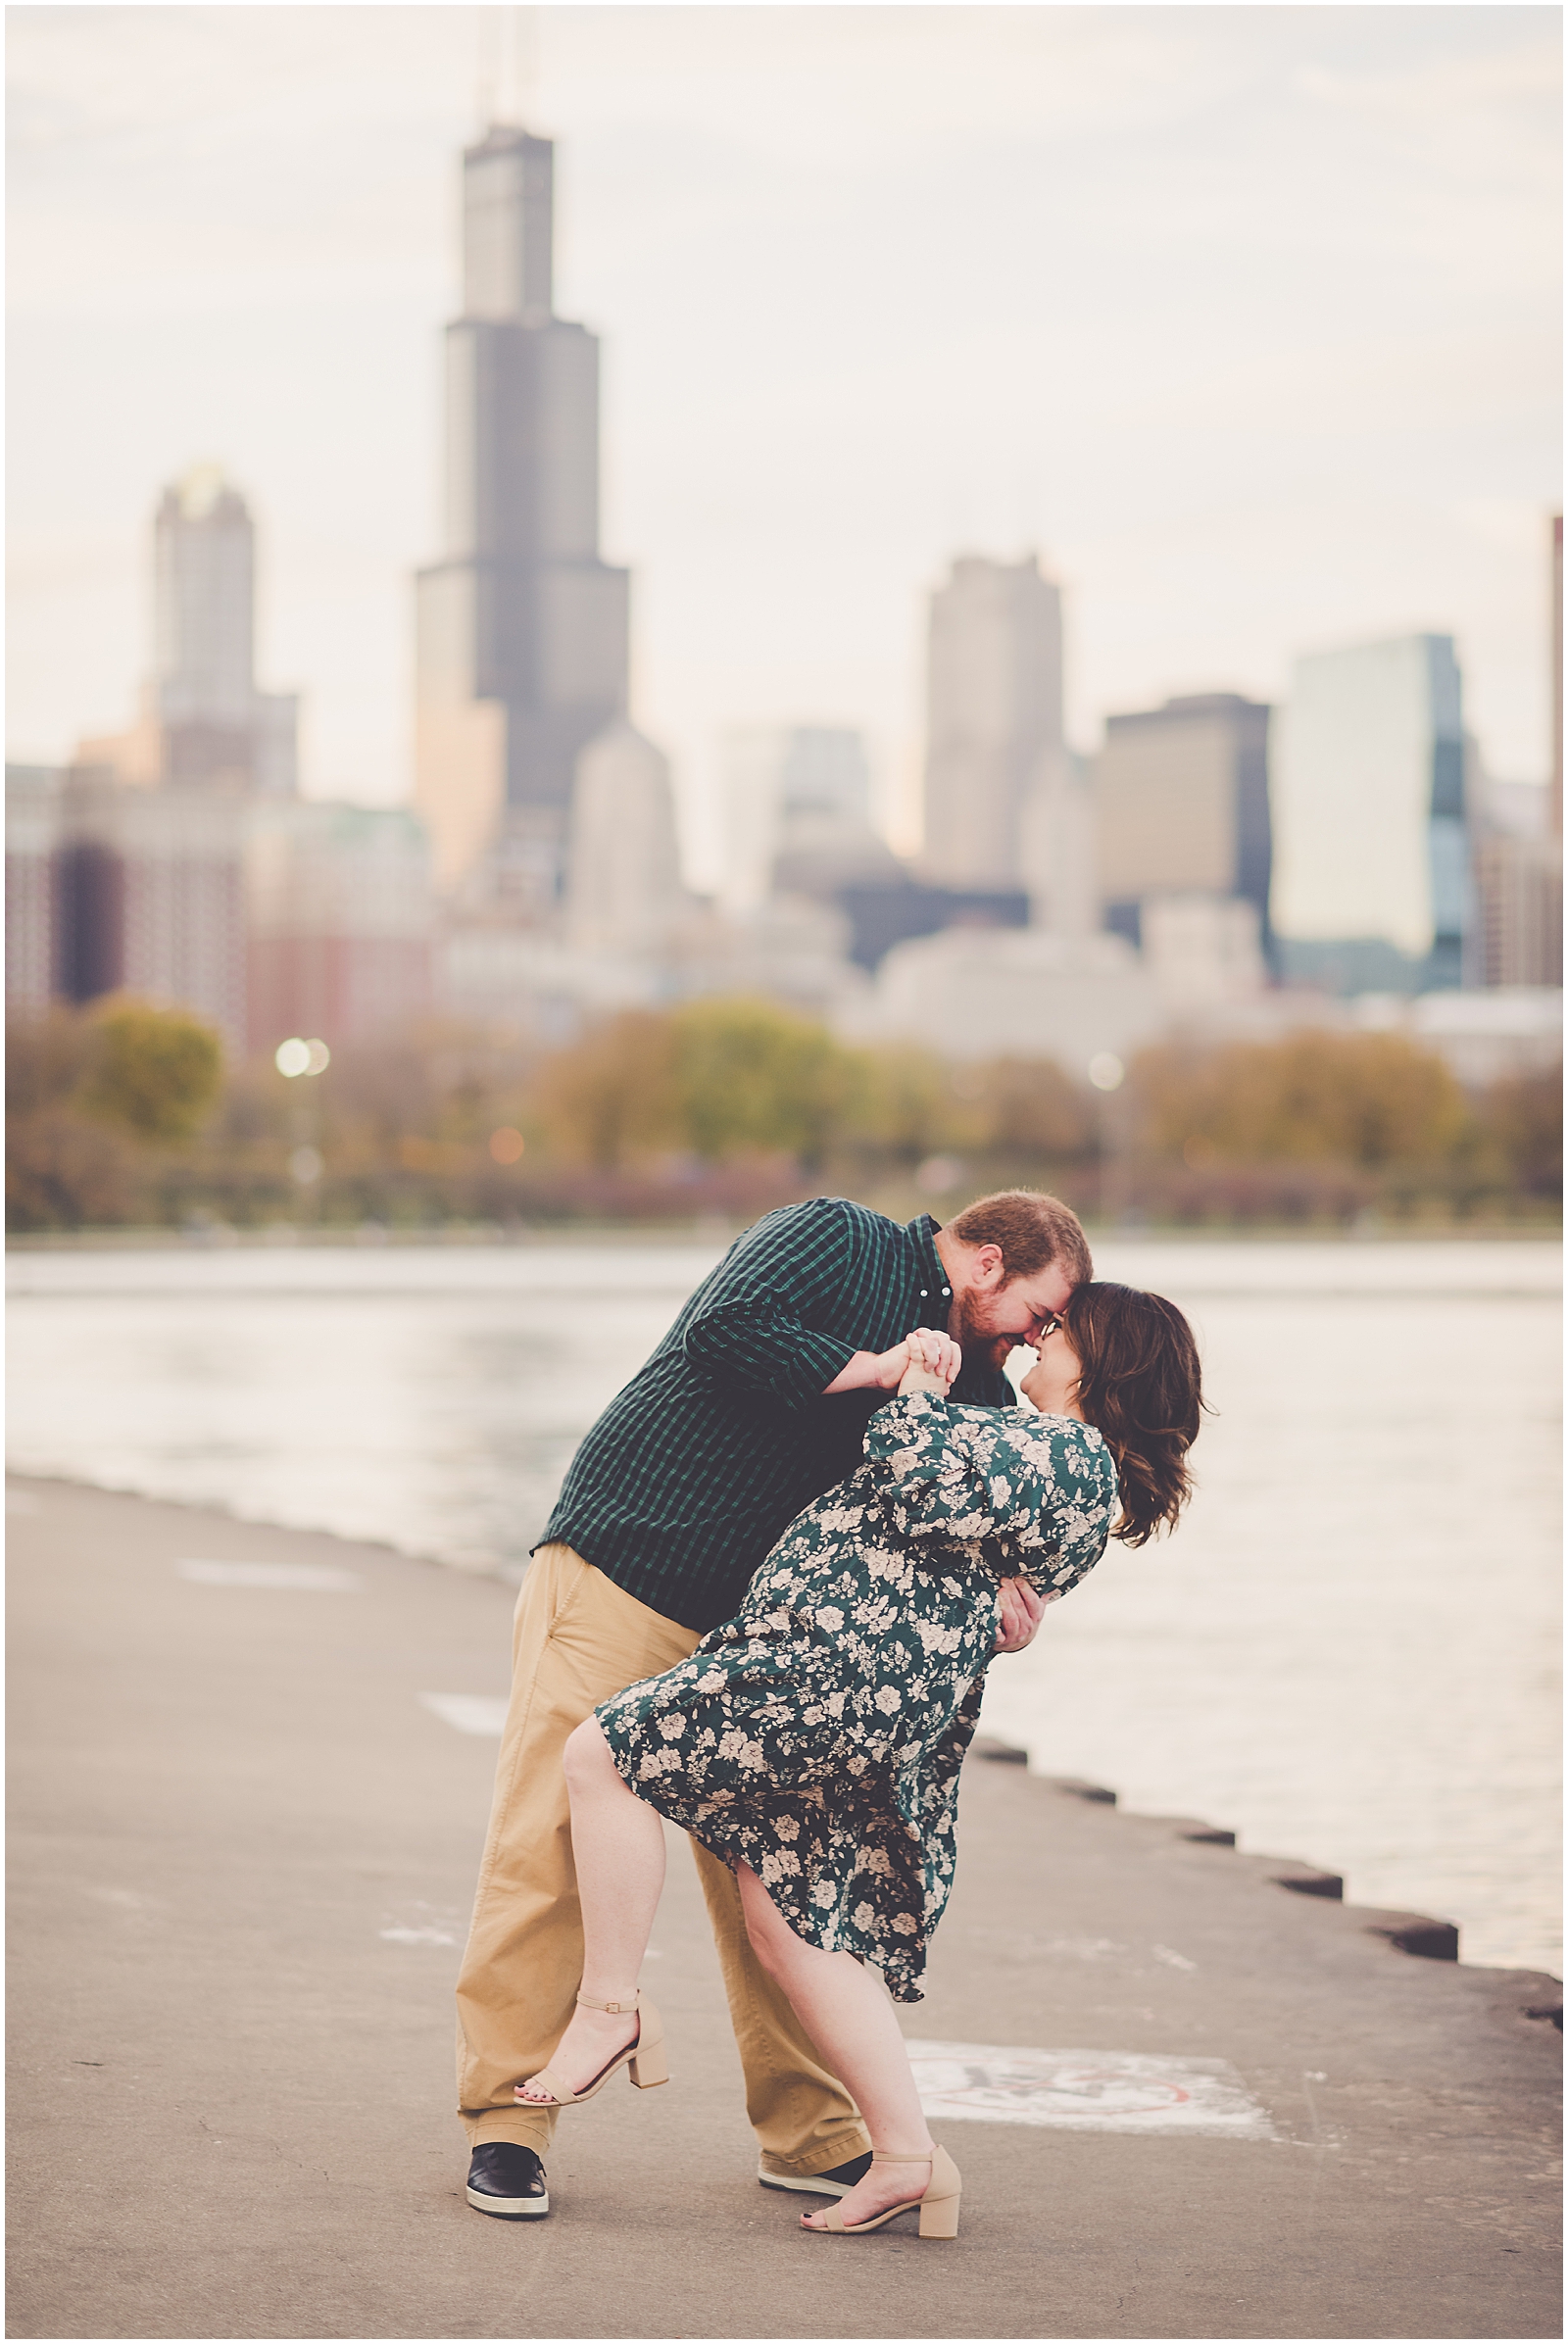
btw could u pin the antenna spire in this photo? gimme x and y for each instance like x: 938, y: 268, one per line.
x: 524, y: 61
x: 508, y: 65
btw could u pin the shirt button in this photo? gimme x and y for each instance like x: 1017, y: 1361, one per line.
x: 924, y: 1292
x: 947, y: 1290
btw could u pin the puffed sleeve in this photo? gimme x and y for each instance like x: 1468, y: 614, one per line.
x: 1038, y: 1492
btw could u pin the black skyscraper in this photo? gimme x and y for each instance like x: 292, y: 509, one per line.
x: 521, y: 628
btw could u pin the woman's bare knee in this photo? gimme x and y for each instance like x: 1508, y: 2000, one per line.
x: 587, y: 1758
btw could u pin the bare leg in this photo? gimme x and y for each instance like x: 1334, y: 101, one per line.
x: 844, y: 2010
x: 619, y: 1846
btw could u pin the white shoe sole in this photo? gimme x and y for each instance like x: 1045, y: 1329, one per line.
x: 528, y: 2209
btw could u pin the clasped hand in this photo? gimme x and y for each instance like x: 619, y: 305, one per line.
x: 932, y: 1362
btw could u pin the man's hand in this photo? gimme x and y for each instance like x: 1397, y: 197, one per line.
x: 1022, y: 1611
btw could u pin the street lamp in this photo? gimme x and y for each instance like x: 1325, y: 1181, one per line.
x: 1107, y: 1074
x: 295, y: 1057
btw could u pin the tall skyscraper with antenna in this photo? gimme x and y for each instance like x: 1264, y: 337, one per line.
x: 521, y: 628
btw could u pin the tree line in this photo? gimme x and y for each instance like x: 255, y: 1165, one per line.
x: 129, y: 1113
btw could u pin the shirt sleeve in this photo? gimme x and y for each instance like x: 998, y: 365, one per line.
x: 763, y: 1323
x: 1038, y: 1490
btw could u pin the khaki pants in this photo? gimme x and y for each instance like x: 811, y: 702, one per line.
x: 576, y: 1640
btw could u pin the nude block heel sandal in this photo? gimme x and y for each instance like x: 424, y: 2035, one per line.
x: 645, y: 2058
x: 937, y: 2202
x: 650, y: 2059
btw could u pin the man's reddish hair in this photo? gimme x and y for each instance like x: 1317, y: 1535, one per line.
x: 1033, y: 1229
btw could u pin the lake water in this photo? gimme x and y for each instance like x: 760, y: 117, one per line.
x: 1350, y: 1652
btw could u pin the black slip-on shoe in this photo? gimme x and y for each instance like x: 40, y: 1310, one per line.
x: 507, y: 2180
x: 837, y: 2181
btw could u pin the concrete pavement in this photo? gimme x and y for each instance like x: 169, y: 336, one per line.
x: 242, y: 1853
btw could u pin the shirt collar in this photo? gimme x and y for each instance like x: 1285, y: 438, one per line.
x: 933, y: 1287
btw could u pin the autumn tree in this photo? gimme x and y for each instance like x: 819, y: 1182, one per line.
x: 613, y: 1096
x: 1029, y: 1112
x: 1369, y: 1100
x: 902, y: 1105
x: 154, y: 1072
x: 62, y: 1171
x: 1523, y: 1116
x: 754, y: 1078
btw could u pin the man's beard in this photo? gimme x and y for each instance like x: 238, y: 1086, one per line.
x: 981, y: 1345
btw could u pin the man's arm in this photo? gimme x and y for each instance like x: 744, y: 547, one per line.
x: 865, y: 1371
x: 762, y: 1322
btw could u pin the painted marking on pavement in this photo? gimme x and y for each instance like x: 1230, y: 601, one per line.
x: 300, y: 1578
x: 469, y: 1712
x: 416, y: 1922
x: 1085, y: 2092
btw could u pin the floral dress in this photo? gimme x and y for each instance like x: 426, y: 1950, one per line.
x: 818, y: 1735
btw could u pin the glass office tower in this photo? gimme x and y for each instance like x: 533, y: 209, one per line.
x: 1371, y: 851
x: 522, y: 629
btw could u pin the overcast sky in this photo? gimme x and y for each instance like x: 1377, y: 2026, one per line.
x: 1247, y: 318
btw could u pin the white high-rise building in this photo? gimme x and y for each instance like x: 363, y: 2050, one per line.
x: 625, y: 893
x: 994, y: 730
x: 216, y: 725
x: 1368, y: 800
x: 202, y: 723
x: 204, y: 591
x: 796, y: 814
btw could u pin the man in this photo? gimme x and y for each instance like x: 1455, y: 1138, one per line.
x: 756, y: 1401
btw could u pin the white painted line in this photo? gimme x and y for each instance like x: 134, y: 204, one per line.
x: 303, y: 1579
x: 1085, y: 2092
x: 469, y: 1712
x: 417, y: 1936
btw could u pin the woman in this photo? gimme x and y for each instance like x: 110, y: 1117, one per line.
x: 814, y: 1742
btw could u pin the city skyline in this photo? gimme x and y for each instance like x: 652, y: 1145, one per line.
x: 783, y: 551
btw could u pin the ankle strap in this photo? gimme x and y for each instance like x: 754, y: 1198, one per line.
x: 589, y: 2003
x: 924, y: 2158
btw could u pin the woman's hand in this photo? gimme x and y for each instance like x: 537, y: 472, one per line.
x: 934, y: 1362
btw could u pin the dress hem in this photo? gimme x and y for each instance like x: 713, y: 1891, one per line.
x: 899, y: 1990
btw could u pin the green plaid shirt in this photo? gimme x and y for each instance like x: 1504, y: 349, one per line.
x: 686, y: 1481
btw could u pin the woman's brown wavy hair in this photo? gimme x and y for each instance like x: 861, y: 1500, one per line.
x: 1141, y: 1385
